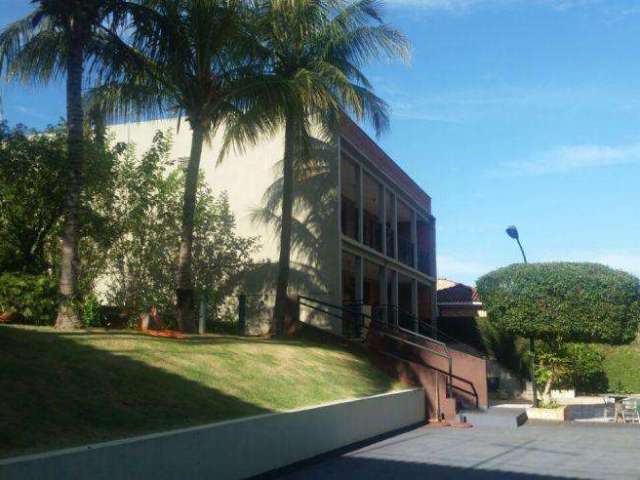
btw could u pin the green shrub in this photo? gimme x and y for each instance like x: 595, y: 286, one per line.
x: 572, y: 366
x: 508, y: 350
x: 588, y: 369
x: 579, y: 302
x: 91, y: 314
x: 33, y: 297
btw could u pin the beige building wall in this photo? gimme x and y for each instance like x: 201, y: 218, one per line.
x: 245, y: 176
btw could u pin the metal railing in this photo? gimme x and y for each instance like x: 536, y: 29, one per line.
x: 375, y: 320
x: 385, y: 326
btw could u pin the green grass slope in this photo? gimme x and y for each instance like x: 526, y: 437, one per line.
x: 63, y: 389
x: 622, y: 366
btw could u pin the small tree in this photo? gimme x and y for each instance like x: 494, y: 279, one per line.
x: 558, y: 303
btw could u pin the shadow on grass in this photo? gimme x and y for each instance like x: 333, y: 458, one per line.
x: 55, y: 392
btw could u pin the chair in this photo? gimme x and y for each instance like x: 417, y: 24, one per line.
x: 630, y: 410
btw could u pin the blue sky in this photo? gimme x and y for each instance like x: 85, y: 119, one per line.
x: 512, y: 111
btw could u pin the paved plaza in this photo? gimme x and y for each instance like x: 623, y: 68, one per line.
x: 530, y: 452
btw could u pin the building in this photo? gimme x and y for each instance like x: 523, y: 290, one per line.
x: 370, y: 232
x: 459, y: 308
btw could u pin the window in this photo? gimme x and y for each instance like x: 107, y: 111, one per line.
x: 405, y: 302
x: 390, y: 224
x: 424, y: 309
x: 349, y: 179
x: 372, y: 213
x: 405, y: 237
x: 425, y: 250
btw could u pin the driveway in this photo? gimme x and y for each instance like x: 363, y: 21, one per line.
x: 529, y: 452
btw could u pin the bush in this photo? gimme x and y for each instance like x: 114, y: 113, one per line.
x: 508, y: 350
x: 33, y: 297
x: 572, y: 366
x: 91, y: 314
x: 588, y: 369
x: 579, y: 302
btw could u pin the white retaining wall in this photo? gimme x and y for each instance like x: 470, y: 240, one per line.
x: 233, y: 449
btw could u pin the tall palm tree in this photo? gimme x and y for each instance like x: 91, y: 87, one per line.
x: 315, y: 51
x: 193, y: 58
x: 64, y: 38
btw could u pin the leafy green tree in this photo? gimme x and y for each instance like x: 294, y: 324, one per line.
x: 193, y: 59
x: 33, y: 185
x: 141, y: 271
x: 558, y: 303
x: 63, y: 38
x: 313, y: 52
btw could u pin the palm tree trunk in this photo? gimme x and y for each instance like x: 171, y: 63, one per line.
x: 285, y: 232
x: 67, y: 314
x: 184, y: 293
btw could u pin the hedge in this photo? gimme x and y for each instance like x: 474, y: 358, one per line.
x: 574, y: 302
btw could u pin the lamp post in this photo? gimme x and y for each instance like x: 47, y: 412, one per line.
x: 512, y: 231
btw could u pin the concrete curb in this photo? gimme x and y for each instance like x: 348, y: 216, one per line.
x: 233, y: 449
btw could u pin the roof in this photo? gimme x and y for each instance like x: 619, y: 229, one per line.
x: 372, y: 151
x: 453, y: 292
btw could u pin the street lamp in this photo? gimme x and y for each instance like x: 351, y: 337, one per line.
x: 512, y: 231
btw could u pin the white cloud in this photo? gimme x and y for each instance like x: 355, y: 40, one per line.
x: 494, y: 99
x: 610, y: 10
x: 571, y: 158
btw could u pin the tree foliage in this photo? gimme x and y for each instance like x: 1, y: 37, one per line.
x: 32, y: 191
x: 28, y: 298
x: 581, y: 302
x: 141, y: 266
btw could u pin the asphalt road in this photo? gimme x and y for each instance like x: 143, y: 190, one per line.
x: 529, y: 452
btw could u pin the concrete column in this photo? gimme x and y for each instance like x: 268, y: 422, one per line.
x: 434, y: 273
x: 359, y: 292
x: 414, y: 237
x: 414, y: 303
x: 383, y: 294
x: 359, y: 278
x: 360, y: 203
x: 384, y: 220
x: 394, y: 222
x: 395, y: 294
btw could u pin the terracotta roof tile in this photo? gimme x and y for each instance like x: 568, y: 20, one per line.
x: 453, y: 292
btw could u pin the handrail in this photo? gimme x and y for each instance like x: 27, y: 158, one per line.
x: 468, y: 349
x: 457, y: 344
x: 422, y: 347
x: 446, y: 355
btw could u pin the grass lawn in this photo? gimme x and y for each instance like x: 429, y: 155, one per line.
x: 64, y: 389
x: 622, y: 366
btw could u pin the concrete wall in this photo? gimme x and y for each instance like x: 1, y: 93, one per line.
x: 245, y: 176
x: 229, y: 450
x: 469, y: 373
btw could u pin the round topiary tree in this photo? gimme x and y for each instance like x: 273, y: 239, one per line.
x: 563, y: 302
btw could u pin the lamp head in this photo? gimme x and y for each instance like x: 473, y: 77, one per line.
x: 512, y: 231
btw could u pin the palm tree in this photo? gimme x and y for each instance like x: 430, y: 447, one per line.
x: 64, y: 37
x: 193, y: 58
x: 315, y: 51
